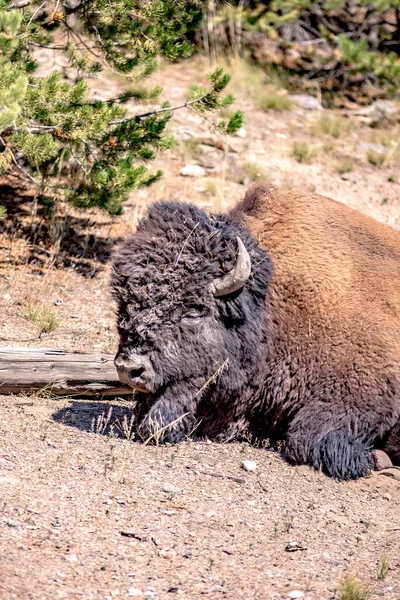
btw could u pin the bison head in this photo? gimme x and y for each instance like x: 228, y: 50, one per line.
x: 192, y: 317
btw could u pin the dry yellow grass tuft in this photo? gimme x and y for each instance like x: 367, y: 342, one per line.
x: 303, y: 153
x: 351, y: 588
x: 42, y: 316
x: 331, y: 125
x: 345, y: 165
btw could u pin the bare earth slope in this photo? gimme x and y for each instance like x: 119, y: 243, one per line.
x: 85, y: 512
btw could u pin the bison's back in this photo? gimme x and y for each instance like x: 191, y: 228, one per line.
x: 326, y: 248
x: 330, y: 260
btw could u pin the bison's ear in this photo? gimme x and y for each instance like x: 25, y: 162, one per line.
x: 237, y: 277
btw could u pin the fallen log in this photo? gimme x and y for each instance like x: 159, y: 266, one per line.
x: 59, y: 372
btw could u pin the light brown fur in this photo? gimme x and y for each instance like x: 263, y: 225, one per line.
x: 335, y: 305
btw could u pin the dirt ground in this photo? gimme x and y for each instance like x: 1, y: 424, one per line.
x: 85, y: 510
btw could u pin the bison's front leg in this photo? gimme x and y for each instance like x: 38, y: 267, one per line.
x: 170, y: 419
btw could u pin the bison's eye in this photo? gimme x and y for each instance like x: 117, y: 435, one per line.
x: 192, y: 316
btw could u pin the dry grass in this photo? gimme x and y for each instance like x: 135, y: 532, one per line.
x: 274, y: 99
x: 378, y: 159
x: 303, y: 153
x: 345, y: 165
x: 390, y: 154
x: 42, y: 316
x: 330, y: 125
x: 214, y: 187
x: 266, y: 89
x: 383, y: 567
x: 245, y: 77
x: 254, y: 172
x: 351, y: 588
x: 189, y: 149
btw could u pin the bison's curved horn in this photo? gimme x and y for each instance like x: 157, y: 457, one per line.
x: 237, y: 277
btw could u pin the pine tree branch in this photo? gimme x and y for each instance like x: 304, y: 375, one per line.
x: 157, y: 111
x: 8, y: 149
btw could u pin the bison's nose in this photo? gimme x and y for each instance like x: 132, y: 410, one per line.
x: 136, y: 371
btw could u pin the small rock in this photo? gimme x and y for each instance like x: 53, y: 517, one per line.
x: 73, y: 558
x: 193, y: 171
x: 210, y: 514
x: 241, y: 132
x: 134, y: 592
x: 381, y: 460
x: 58, y: 302
x: 387, y: 496
x: 296, y: 594
x: 306, y: 102
x: 295, y: 546
x: 187, y: 133
x: 378, y: 148
x: 56, y: 523
x: 249, y: 465
x: 326, y: 556
x: 74, y: 316
x: 378, y: 111
x: 393, y: 472
x: 12, y: 523
x: 170, y: 488
x: 352, y: 177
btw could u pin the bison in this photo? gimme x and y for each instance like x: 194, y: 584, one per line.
x: 280, y: 320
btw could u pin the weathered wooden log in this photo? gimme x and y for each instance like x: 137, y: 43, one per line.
x: 59, y: 371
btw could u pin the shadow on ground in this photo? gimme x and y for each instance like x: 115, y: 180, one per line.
x: 64, y: 240
x: 102, y: 418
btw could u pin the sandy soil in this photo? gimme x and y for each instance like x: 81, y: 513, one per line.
x: 87, y: 515
x: 87, y: 512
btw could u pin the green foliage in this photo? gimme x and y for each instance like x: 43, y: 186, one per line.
x: 361, y: 60
x: 340, y: 44
x: 91, y: 152
x: 12, y: 82
x: 3, y: 212
x: 207, y: 100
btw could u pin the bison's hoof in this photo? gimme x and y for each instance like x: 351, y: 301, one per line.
x: 381, y: 460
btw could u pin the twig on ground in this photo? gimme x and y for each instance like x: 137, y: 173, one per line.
x: 222, y: 476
